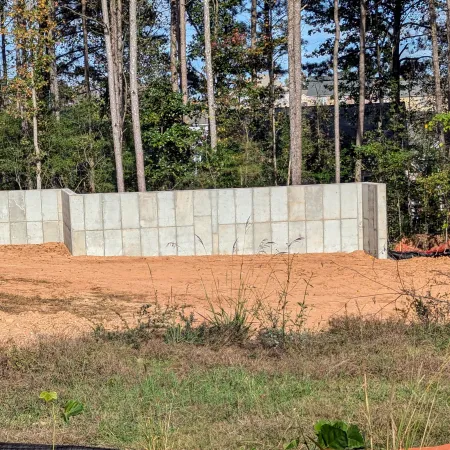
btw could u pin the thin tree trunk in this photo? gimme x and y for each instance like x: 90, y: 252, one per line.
x: 397, y: 28
x: 436, y: 68
x: 116, y: 45
x: 268, y: 39
x: 115, y: 117
x: 87, y: 81
x: 337, y: 140
x: 296, y: 159
x: 292, y: 92
x: 174, y: 27
x: 87, y: 84
x: 183, y: 60
x: 362, y: 88
x: 253, y: 31
x: 54, y: 86
x: 37, y: 150
x: 20, y: 61
x: 4, y: 60
x: 209, y: 76
x: 134, y: 93
x: 448, y: 54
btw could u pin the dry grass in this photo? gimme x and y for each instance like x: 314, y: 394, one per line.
x: 182, y: 396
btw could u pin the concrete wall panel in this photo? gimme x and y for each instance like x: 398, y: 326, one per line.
x: 19, y: 233
x: 5, y: 234
x: 203, y: 235
x: 4, y: 207
x: 332, y: 236
x: 51, y: 231
x: 33, y: 206
x: 261, y: 204
x: 331, y: 201
x: 166, y: 209
x: 17, y: 206
x: 314, y: 236
x: 95, y: 243
x: 244, y: 205
x: 227, y: 239
x: 112, y: 216
x: 202, y: 203
x: 129, y: 206
x: 113, y: 242
x: 226, y: 207
x: 297, y: 237
x: 93, y: 212
x: 184, y: 208
x: 314, y: 202
x: 278, y: 204
x: 296, y: 203
x: 149, y: 242
x: 186, y: 241
x: 50, y: 205
x: 131, y: 239
x: 148, y: 208
x: 280, y: 237
x: 168, y: 241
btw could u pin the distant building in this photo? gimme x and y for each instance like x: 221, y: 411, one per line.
x: 320, y: 92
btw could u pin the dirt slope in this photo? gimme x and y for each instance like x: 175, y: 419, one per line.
x: 44, y: 290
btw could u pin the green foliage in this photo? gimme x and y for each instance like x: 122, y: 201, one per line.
x: 48, y: 396
x: 338, y: 435
x: 73, y: 408
x: 442, y: 119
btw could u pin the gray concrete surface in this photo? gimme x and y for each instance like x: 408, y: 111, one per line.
x: 298, y: 219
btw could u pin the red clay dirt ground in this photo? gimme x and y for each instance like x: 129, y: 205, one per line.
x: 45, y: 291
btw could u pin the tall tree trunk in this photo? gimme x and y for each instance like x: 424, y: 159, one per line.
x: 209, y: 76
x: 362, y: 88
x: 174, y: 27
x: 253, y: 31
x: 37, y: 150
x: 269, y: 48
x: 87, y: 84
x: 3, y: 43
x: 295, y: 83
x: 87, y: 81
x: 117, y: 53
x: 20, y: 62
x: 292, y: 93
x: 54, y: 86
x: 448, y: 54
x: 134, y: 93
x: 113, y: 98
x: 436, y: 66
x: 396, y: 31
x: 183, y: 60
x: 337, y: 138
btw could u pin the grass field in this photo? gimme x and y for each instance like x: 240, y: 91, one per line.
x: 150, y: 394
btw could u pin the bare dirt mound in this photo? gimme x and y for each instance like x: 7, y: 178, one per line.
x: 44, y: 290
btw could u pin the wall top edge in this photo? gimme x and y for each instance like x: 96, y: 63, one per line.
x: 70, y: 192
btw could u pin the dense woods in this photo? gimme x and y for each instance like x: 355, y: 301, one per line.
x: 104, y: 95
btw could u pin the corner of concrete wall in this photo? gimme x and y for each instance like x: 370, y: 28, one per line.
x: 374, y: 219
x: 66, y: 221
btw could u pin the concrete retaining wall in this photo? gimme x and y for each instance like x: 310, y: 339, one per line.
x: 30, y: 217
x: 299, y: 219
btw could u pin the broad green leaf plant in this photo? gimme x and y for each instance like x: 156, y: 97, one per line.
x: 338, y: 436
x: 71, y: 409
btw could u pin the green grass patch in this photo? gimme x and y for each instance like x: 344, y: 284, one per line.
x: 181, y: 396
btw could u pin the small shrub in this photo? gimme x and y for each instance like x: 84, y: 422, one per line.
x: 338, y: 436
